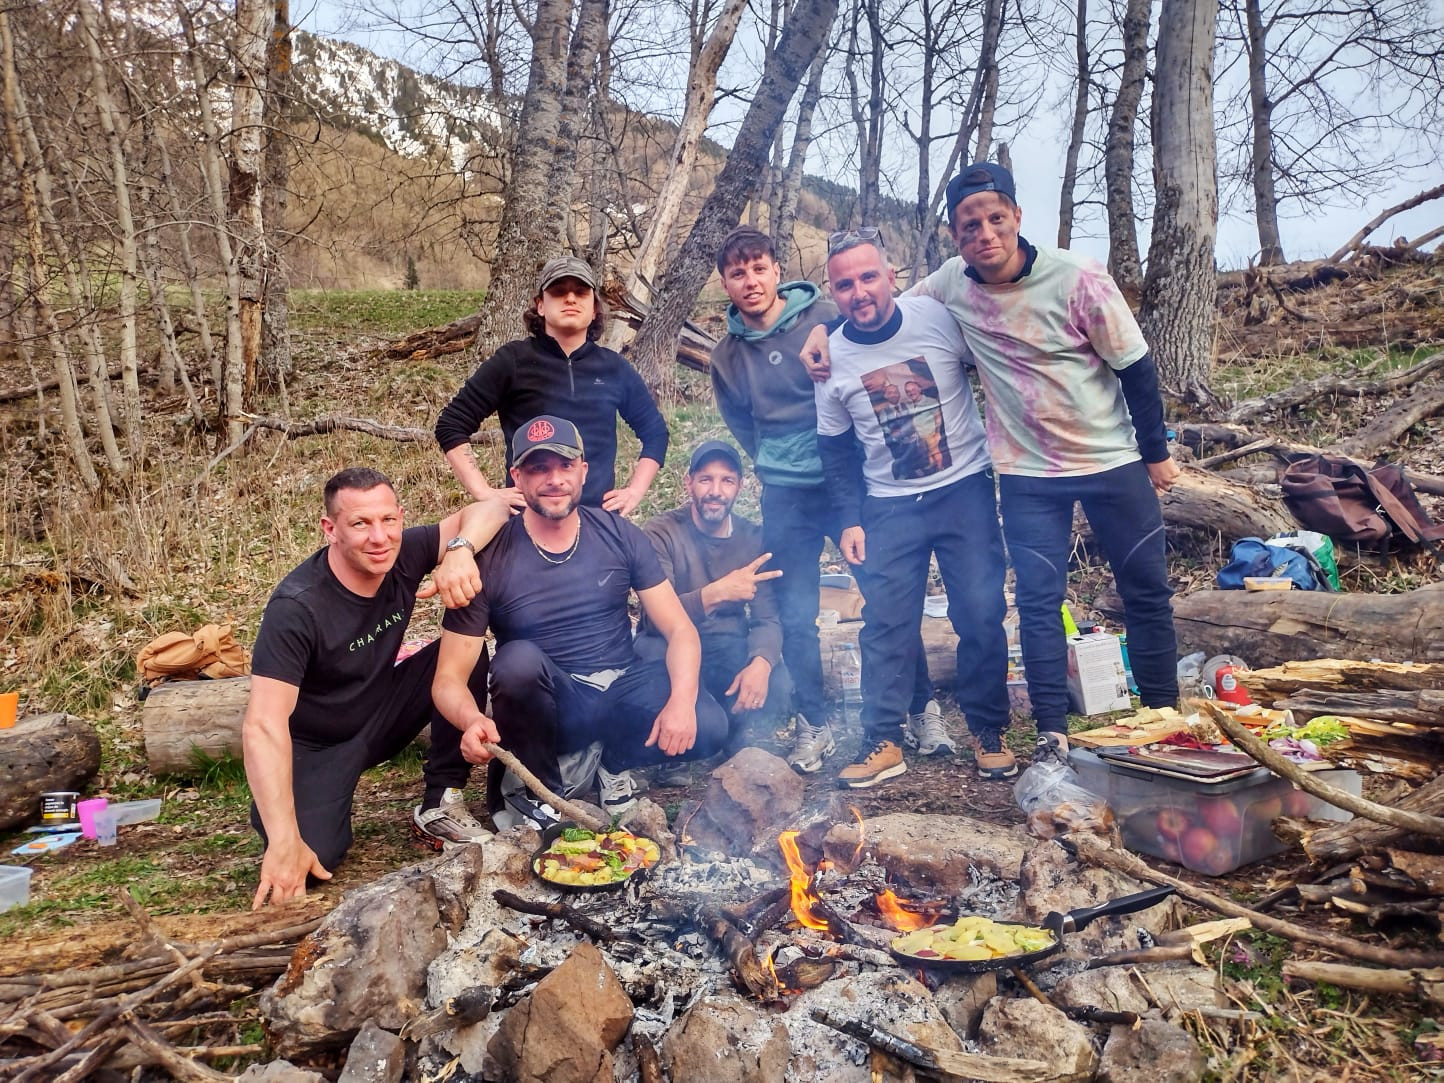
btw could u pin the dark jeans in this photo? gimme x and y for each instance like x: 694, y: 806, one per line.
x: 324, y: 777
x: 958, y: 523
x: 723, y: 657
x: 796, y: 522
x: 1123, y: 511
x: 541, y: 712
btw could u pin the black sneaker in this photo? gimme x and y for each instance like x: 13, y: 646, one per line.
x: 1051, y: 748
x: 521, y: 808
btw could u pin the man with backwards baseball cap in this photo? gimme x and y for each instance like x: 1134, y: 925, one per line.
x: 1073, y: 415
x: 555, y: 586
x: 560, y: 369
x: 713, y: 559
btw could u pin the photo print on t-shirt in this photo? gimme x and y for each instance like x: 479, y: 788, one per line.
x: 904, y: 398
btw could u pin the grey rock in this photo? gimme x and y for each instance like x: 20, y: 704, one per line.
x: 1155, y: 1052
x: 1027, y: 1028
x: 279, y: 1071
x: 962, y: 998
x: 1171, y: 988
x: 724, y: 1039
x: 931, y: 851
x: 749, y: 796
x: 375, y: 1056
x: 1053, y: 881
x: 369, y: 957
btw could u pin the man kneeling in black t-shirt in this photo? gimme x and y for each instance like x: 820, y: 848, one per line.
x: 555, y: 585
x: 328, y: 698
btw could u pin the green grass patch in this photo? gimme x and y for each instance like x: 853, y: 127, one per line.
x: 390, y: 312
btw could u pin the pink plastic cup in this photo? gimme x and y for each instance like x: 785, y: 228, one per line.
x: 86, y: 810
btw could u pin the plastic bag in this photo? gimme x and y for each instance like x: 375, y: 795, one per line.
x: 1055, y: 802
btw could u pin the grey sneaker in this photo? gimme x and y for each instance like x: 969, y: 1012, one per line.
x: 812, y: 746
x: 449, y: 824
x: 926, y: 733
x: 521, y: 808
x: 618, y: 792
x: 1051, y: 748
x: 673, y: 772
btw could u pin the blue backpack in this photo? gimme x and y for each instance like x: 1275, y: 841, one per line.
x: 1254, y: 557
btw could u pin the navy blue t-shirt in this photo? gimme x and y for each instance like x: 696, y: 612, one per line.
x: 576, y: 612
x: 337, y: 647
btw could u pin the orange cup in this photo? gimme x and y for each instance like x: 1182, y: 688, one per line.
x: 9, y: 704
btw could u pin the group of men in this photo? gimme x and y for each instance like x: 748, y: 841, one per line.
x: 861, y: 425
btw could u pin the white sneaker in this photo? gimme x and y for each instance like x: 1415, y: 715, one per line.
x: 812, y: 746
x: 926, y: 733
x: 618, y: 792
x: 449, y: 824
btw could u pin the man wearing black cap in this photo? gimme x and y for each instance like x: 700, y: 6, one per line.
x: 1074, y: 415
x: 556, y: 581
x: 713, y: 559
x: 560, y: 369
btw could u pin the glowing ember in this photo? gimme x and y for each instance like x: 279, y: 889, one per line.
x: 804, y: 898
x: 905, y: 917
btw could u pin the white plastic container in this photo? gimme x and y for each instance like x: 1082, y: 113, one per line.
x: 14, y: 886
x: 134, y: 812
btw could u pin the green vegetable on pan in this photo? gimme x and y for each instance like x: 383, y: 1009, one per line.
x: 577, y: 834
x: 1323, y: 730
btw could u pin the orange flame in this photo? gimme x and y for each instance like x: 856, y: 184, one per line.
x: 857, y: 853
x: 803, y: 896
x: 900, y: 916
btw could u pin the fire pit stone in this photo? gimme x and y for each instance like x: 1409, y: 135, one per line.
x: 1054, y: 881
x: 376, y: 1056
x: 749, y: 797
x: 725, y: 1039
x: 937, y: 852
x: 1154, y: 1052
x: 1027, y: 1028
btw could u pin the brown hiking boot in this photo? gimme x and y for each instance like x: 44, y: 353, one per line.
x: 884, y: 760
x: 994, y: 759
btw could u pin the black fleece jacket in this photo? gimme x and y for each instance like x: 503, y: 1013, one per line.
x: 590, y: 388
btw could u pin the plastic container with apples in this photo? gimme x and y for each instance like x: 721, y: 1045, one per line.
x: 1209, y: 827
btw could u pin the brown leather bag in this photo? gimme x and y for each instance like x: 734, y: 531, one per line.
x: 210, y: 651
x: 1374, y: 507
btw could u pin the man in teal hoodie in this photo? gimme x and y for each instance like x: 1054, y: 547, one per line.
x: 765, y: 396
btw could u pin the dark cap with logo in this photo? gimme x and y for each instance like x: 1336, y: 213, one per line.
x: 715, y: 449
x: 546, y: 433
x: 980, y: 177
x: 565, y: 267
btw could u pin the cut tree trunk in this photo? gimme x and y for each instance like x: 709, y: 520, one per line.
x: 1204, y: 501
x: 41, y: 753
x: 182, y: 718
x: 1424, y: 708
x: 1341, y: 842
x: 1269, y: 628
x: 1339, y: 675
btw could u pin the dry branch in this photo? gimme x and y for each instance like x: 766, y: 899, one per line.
x: 534, y: 784
x: 560, y: 911
x: 1357, y: 240
x: 334, y: 423
x: 1421, y: 708
x: 756, y: 978
x: 1338, y: 675
x: 1311, y: 391
x: 1427, y: 984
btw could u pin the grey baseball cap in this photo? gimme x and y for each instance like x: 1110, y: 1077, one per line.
x: 546, y: 433
x: 714, y: 449
x: 565, y: 267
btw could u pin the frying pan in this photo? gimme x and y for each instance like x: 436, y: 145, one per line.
x: 1056, y: 923
x: 549, y: 836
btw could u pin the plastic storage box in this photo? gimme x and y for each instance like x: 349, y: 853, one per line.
x: 14, y: 886
x: 134, y: 812
x: 1209, y: 827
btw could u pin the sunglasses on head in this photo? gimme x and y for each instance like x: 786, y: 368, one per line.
x: 846, y: 238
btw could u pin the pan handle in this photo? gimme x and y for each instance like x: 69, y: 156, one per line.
x: 1128, y: 904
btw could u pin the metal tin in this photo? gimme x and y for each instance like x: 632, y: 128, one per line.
x: 58, y: 807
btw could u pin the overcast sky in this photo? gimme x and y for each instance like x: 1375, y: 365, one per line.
x: 1037, y: 154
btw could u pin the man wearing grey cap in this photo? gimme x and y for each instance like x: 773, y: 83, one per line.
x: 714, y: 558
x: 560, y: 369
x: 556, y: 582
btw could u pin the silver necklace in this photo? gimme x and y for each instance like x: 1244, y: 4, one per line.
x: 547, y: 556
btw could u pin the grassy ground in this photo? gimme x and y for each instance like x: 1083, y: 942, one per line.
x: 83, y: 585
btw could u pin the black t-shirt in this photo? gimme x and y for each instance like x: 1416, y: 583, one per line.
x: 576, y: 612
x: 337, y: 647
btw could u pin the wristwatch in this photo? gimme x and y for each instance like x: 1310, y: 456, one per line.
x: 459, y: 542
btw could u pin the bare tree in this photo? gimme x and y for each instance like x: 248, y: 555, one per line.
x: 591, y: 28
x: 1123, y: 262
x: 1178, y: 313
x: 275, y: 356
x: 1081, y: 86
x: 868, y: 115
x: 654, y: 352
x: 786, y: 218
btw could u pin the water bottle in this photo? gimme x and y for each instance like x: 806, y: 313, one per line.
x: 849, y: 672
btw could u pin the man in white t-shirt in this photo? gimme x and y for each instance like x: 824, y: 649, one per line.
x: 909, y: 502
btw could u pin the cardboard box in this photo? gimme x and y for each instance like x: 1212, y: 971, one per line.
x: 1097, y: 682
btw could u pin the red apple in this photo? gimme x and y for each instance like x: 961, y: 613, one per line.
x: 1223, y: 858
x: 1197, y: 847
x: 1172, y: 823
x: 1267, y: 809
x: 1297, y: 803
x: 1169, y: 850
x: 1222, y: 817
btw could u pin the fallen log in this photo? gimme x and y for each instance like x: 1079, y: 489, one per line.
x: 1356, y: 242
x: 1421, y: 708
x: 1309, y: 392
x: 184, y: 721
x: 1338, y: 675
x: 320, y: 426
x: 1269, y: 628
x: 41, y: 753
x: 1339, y: 842
x: 1427, y: 984
x: 755, y: 978
x: 1209, y: 502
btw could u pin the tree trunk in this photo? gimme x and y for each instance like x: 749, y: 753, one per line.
x: 125, y: 229
x: 1123, y: 261
x: 40, y: 754
x: 782, y: 228
x: 581, y: 65
x: 701, y: 89
x: 987, y: 105
x: 190, y: 270
x: 867, y: 117
x: 1178, y: 313
x: 1261, y: 163
x: 525, y: 238
x: 248, y: 102
x: 655, y: 349
x: 275, y: 359
x: 183, y: 718
x: 1075, y: 135
x: 1269, y: 628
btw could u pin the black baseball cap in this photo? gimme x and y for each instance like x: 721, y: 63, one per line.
x: 714, y: 449
x: 554, y: 270
x: 546, y: 433
x: 980, y: 177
